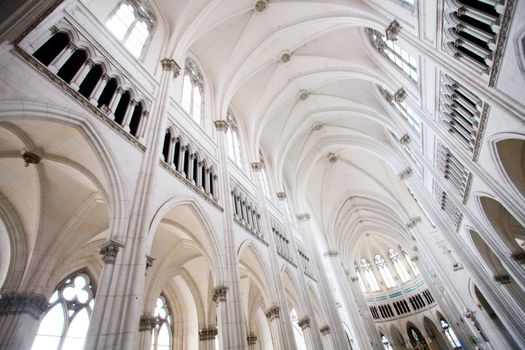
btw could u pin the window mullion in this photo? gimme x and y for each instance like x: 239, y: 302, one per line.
x: 129, y: 31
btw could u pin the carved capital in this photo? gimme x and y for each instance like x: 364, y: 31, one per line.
x: 252, y: 339
x: 33, y: 305
x: 400, y: 95
x: 518, y: 257
x: 147, y: 323
x: 169, y: 64
x: 304, y: 323
x: 221, y: 125
x: 281, y: 195
x: 208, y: 333
x: 392, y: 30
x: 109, y: 251
x: 257, y: 166
x: 405, y: 139
x: 502, y: 278
x: 219, y: 294
x: 303, y: 217
x: 149, y: 262
x: 331, y: 253
x: 354, y: 279
x: 405, y: 174
x: 272, y: 312
x: 413, y: 222
x: 325, y: 330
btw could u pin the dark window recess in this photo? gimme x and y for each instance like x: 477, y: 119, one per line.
x: 50, y: 50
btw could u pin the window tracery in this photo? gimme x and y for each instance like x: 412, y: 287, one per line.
x: 132, y: 24
x: 369, y: 274
x: 386, y: 343
x: 234, y: 145
x: 450, y: 334
x: 384, y: 270
x: 399, y: 265
x: 400, y: 57
x: 66, y: 322
x: 193, y: 90
x: 162, y: 334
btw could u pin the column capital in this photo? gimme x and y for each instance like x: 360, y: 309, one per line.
x: 502, y: 278
x: 252, y: 339
x: 405, y: 139
x: 147, y: 322
x: 518, y: 257
x: 405, y: 174
x: 392, y: 30
x: 304, y: 323
x: 303, y: 217
x: 149, y: 262
x: 281, y: 195
x: 169, y: 64
x: 219, y: 293
x: 221, y: 125
x: 331, y: 252
x: 208, y: 333
x: 325, y: 330
x: 256, y: 166
x: 109, y: 251
x: 31, y: 304
x: 400, y: 95
x: 272, y: 312
x: 413, y: 222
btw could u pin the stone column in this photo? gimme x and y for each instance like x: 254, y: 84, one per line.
x: 146, y: 325
x: 325, y: 338
x: 116, y: 315
x: 20, y: 316
x: 360, y: 324
x: 127, y: 116
x: 273, y: 316
x: 142, y: 127
x: 115, y: 99
x: 308, y: 333
x: 207, y: 336
x: 62, y: 57
x: 81, y: 74
x: 99, y: 87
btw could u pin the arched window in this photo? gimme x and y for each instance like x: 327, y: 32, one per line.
x: 265, y: 178
x: 359, y: 278
x: 410, y: 263
x: 369, y: 274
x: 161, y: 338
x: 399, y: 265
x: 386, y: 343
x: 234, y: 145
x: 401, y: 58
x: 66, y: 322
x: 449, y: 333
x: 384, y: 270
x: 193, y: 90
x: 132, y: 24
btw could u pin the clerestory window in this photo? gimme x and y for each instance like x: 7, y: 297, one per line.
x: 193, y: 91
x: 369, y: 274
x: 384, y: 270
x: 398, y: 265
x: 132, y: 24
x: 234, y: 144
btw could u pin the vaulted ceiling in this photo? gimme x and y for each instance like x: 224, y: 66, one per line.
x: 302, y: 80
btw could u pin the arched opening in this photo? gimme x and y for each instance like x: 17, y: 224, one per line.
x: 504, y: 223
x: 162, y: 332
x: 485, y: 307
x: 448, y: 331
x: 72, y: 65
x: 107, y: 93
x: 5, y: 253
x: 300, y: 342
x: 90, y: 81
x: 166, y: 145
x: 176, y: 154
x: 135, y: 119
x: 398, y: 341
x: 52, y: 48
x: 122, y: 107
x: 386, y: 342
x: 511, y: 153
x: 416, y: 338
x: 187, y: 162
x: 195, y: 168
x: 66, y: 322
x: 435, y: 335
